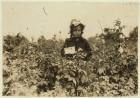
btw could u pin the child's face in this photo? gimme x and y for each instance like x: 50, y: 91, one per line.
x: 77, y: 32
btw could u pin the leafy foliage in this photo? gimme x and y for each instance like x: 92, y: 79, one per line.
x: 37, y: 68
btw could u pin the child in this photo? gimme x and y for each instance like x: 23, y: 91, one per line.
x: 76, y: 45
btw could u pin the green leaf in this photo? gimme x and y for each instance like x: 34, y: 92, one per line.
x: 101, y: 70
x: 84, y: 79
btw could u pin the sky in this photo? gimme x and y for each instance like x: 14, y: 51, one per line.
x: 31, y: 20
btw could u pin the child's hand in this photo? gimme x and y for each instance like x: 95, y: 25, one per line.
x: 81, y: 55
x: 80, y: 50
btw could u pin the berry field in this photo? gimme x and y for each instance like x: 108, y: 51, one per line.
x: 37, y: 68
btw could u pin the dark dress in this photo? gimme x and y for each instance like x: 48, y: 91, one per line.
x: 77, y: 42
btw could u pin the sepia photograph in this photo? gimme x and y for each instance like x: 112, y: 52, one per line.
x: 69, y: 49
